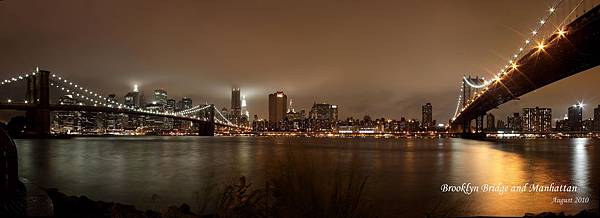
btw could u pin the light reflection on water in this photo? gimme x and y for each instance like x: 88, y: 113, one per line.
x: 405, y: 175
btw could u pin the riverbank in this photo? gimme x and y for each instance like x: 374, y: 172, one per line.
x: 73, y: 206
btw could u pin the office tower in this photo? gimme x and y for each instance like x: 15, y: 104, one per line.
x: 135, y: 98
x: 236, y: 102
x: 491, y: 121
x: 426, y: 118
x: 323, y: 116
x: 171, y: 105
x: 66, y: 122
x: 324, y: 111
x: 160, y: 97
x: 186, y: 103
x: 575, y: 116
x: 277, y: 106
x: 538, y: 120
x: 514, y: 122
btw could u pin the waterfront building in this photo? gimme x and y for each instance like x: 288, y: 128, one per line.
x: 514, y: 122
x: 277, y: 106
x: 66, y: 122
x: 587, y: 125
x: 575, y: 116
x: 426, y: 116
x: 323, y: 117
x: 561, y: 125
x: 537, y: 120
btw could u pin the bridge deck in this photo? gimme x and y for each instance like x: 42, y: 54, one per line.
x: 578, y: 51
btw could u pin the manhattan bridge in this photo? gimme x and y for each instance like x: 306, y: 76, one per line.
x: 563, y: 42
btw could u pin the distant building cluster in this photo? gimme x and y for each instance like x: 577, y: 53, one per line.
x: 323, y: 118
x: 539, y: 120
x: 81, y: 122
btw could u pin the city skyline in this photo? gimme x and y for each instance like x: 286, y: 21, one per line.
x: 388, y: 78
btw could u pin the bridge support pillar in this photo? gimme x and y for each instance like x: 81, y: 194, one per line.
x: 479, y: 124
x: 38, y: 93
x: 208, y: 128
x: 466, y: 126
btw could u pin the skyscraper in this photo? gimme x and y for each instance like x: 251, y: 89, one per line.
x: 245, y: 112
x: 575, y: 116
x: 236, y: 102
x: 186, y: 103
x: 537, y: 120
x: 277, y: 106
x: 427, y: 119
x: 134, y: 98
x: 171, y: 105
x: 514, y: 122
x: 160, y: 96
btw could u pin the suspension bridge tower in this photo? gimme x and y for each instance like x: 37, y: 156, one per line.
x: 38, y: 94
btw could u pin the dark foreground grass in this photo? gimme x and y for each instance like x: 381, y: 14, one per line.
x: 296, y: 187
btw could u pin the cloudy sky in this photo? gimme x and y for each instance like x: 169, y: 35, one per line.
x: 383, y: 58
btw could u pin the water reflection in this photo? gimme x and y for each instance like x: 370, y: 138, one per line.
x: 404, y: 174
x: 580, y: 162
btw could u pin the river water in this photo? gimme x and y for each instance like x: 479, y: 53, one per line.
x: 405, y: 175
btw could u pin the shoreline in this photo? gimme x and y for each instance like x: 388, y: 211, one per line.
x: 81, y: 206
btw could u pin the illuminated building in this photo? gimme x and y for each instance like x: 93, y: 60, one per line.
x: 587, y: 125
x: 426, y: 118
x: 171, y: 105
x: 575, y: 116
x: 66, y: 122
x: 295, y: 120
x: 113, y: 121
x: 323, y: 117
x: 514, y: 122
x: 537, y: 120
x: 236, y: 105
x: 160, y: 96
x: 277, y: 106
x: 185, y: 103
x: 135, y: 98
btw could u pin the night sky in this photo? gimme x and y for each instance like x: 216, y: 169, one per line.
x: 383, y: 58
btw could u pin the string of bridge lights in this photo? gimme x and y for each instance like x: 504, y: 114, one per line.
x: 96, y: 99
x: 194, y: 109
x: 93, y: 98
x: 227, y: 121
x: 513, y: 61
x: 17, y: 78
